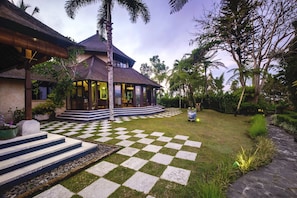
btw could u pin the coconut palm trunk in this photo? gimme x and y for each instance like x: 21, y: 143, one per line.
x: 110, y: 62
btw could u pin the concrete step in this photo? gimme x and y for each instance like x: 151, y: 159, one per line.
x: 22, y: 139
x: 27, y: 172
x: 27, y: 147
x: 85, y: 115
x: 14, y: 163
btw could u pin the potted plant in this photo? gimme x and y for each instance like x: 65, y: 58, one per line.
x: 7, y: 131
x: 44, y: 111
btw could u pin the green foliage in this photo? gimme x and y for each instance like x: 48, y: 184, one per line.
x: 18, y: 115
x: 256, y: 157
x: 44, y: 108
x: 287, y: 121
x: 248, y: 108
x: 258, y: 126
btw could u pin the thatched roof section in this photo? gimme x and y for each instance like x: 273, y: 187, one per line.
x: 95, y: 69
x: 98, y: 45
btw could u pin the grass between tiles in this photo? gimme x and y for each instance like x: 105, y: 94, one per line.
x: 222, y: 136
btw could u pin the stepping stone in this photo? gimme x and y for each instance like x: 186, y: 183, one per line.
x: 118, y: 121
x: 89, y: 131
x: 137, y: 131
x: 177, y: 175
x: 141, y: 182
x: 186, y: 155
x: 141, y: 135
x: 102, y: 168
x: 128, y: 151
x: 104, y: 130
x: 157, y: 134
x: 100, y: 188
x: 164, y: 139
x: 152, y: 148
x: 162, y: 158
x: 134, y: 163
x: 173, y: 145
x: 126, y: 119
x: 121, y: 132
x: 146, y: 141
x: 123, y: 137
x: 120, y: 129
x: 103, y: 139
x: 104, y: 134
x: 125, y: 143
x: 56, y: 191
x: 85, y: 136
x: 70, y: 133
x: 58, y: 131
x: 134, y: 117
x: 181, y: 137
x: 193, y: 143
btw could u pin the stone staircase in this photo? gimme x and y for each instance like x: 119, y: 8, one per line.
x: 27, y: 156
x: 91, y: 115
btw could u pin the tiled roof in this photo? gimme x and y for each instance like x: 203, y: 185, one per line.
x: 98, y: 44
x: 95, y: 69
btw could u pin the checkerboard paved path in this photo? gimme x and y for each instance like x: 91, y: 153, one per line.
x: 141, y: 151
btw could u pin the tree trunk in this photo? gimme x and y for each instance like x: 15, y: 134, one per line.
x: 110, y: 62
x: 256, y: 84
x: 240, y: 101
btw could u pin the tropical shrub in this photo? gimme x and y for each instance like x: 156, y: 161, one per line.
x: 258, y: 126
x: 44, y: 108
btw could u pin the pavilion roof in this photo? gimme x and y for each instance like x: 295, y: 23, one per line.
x: 95, y: 69
x: 97, y: 44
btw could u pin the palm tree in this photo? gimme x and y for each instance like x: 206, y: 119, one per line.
x: 135, y: 8
x: 177, y: 5
x: 24, y: 7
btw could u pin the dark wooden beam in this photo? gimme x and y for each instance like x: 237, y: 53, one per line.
x: 26, y: 42
x: 28, y: 93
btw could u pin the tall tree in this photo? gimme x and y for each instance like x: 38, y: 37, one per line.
x: 159, y: 69
x: 253, y: 32
x: 145, y: 70
x: 177, y: 5
x: 135, y: 8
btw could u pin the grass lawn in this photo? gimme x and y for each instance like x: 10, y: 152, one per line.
x: 222, y: 136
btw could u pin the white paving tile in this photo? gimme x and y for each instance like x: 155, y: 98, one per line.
x: 164, y: 139
x: 120, y: 129
x: 181, y: 137
x: 157, y: 134
x: 100, y: 188
x: 162, y: 158
x: 103, y: 139
x: 137, y: 131
x: 193, y: 143
x: 134, y: 163
x: 186, y: 155
x: 104, y: 134
x: 56, y: 191
x: 128, y: 151
x: 141, y: 182
x: 152, y: 148
x: 58, y: 131
x: 173, y: 145
x: 145, y: 140
x: 121, y: 132
x: 134, y: 117
x: 85, y: 136
x: 177, y: 175
x: 105, y: 130
x: 70, y: 133
x: 141, y: 135
x: 118, y: 121
x: 123, y: 137
x: 125, y: 143
x: 102, y: 168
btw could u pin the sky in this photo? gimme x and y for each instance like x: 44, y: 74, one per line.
x: 167, y: 35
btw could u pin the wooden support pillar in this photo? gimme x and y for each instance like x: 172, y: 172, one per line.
x: 28, y: 93
x: 90, y: 101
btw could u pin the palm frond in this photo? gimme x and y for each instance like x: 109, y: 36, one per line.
x: 71, y: 6
x: 176, y: 5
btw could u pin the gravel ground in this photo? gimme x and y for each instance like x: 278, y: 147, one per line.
x: 42, y: 182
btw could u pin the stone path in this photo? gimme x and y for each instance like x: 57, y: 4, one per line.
x: 276, y: 180
x: 137, y: 146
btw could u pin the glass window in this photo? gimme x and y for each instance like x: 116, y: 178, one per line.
x: 118, y: 95
x: 137, y: 94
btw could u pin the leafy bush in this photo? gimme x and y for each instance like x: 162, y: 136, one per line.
x: 18, y: 115
x: 44, y: 108
x: 258, y: 156
x: 286, y: 121
x: 248, y: 108
x: 258, y: 127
